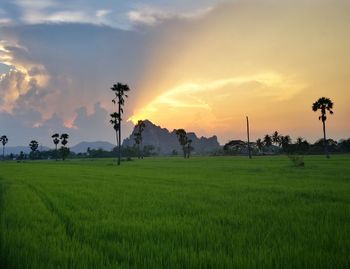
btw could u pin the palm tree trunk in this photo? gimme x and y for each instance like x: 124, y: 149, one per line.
x: 3, y: 152
x: 119, y: 135
x: 325, y: 139
x: 116, y: 137
x: 141, y: 150
x: 56, y: 153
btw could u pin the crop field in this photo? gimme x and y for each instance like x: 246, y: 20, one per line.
x: 210, y: 212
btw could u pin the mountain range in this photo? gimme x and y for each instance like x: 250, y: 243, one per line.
x: 166, y: 142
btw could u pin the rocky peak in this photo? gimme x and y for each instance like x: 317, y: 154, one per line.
x: 166, y: 142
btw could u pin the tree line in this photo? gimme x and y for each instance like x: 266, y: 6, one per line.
x: 269, y: 144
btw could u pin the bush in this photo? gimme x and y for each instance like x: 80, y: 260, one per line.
x: 297, y: 161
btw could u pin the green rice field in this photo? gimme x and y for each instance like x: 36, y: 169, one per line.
x: 204, y: 212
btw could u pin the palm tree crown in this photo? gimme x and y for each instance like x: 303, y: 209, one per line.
x: 4, y: 140
x: 267, y: 140
x: 324, y: 104
x: 33, y: 145
x: 55, y: 138
x: 276, y: 138
x: 64, y: 139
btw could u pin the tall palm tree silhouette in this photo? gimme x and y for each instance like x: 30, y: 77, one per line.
x: 324, y: 104
x: 140, y: 126
x: 267, y: 140
x: 64, y: 138
x: 285, y: 141
x: 183, y: 140
x: 276, y: 138
x: 33, y: 147
x: 4, y: 141
x: 64, y: 142
x: 56, y: 141
x: 120, y: 91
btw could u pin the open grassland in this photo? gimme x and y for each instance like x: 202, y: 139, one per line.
x: 214, y: 212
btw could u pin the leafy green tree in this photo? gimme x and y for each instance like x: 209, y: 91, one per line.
x: 64, y: 150
x: 56, y: 141
x: 324, y: 104
x: 33, y: 147
x: 140, y: 126
x: 120, y: 91
x: 4, y: 140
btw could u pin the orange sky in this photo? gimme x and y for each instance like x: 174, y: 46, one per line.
x: 269, y: 61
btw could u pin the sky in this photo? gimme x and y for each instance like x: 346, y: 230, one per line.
x: 202, y: 65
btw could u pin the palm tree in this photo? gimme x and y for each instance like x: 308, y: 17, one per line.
x: 276, y: 138
x: 64, y: 139
x: 33, y: 146
x: 285, y: 141
x: 300, y: 140
x: 324, y: 104
x: 64, y: 149
x: 138, y: 136
x: 119, y: 90
x: 4, y: 140
x: 259, y: 144
x: 189, y: 147
x: 267, y: 140
x: 56, y: 141
x: 183, y: 140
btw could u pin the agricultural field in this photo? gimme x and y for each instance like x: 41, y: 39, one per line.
x: 210, y: 212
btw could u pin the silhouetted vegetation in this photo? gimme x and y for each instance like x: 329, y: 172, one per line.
x: 324, y: 104
x: 33, y: 147
x: 4, y: 140
x: 56, y: 141
x: 64, y: 151
x: 185, y: 142
x: 140, y: 126
x: 285, y: 146
x: 120, y: 91
x: 297, y: 160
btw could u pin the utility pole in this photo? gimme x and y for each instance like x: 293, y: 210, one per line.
x: 249, y: 151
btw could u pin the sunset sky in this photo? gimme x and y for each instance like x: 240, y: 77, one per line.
x: 202, y: 65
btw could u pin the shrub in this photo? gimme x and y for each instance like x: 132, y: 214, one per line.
x: 297, y: 160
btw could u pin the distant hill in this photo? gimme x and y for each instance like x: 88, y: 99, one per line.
x: 165, y: 142
x: 83, y: 146
x: 17, y: 149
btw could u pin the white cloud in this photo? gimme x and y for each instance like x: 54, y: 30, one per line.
x: 5, y: 21
x: 102, y: 12
x: 152, y: 15
x: 146, y: 16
